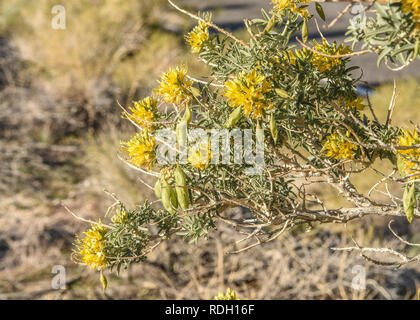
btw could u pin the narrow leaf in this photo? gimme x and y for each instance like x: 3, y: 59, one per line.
x: 320, y: 10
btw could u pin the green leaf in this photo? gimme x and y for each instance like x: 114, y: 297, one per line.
x: 409, y: 200
x: 270, y: 24
x: 305, y: 31
x: 416, y: 48
x: 381, y: 10
x: 383, y: 54
x: 320, y: 11
x: 282, y: 93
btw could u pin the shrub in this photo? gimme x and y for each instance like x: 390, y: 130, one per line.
x: 297, y: 106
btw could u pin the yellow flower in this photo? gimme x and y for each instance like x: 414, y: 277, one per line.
x: 323, y: 63
x: 144, y: 112
x: 174, y: 85
x: 140, y: 150
x: 197, y: 36
x: 354, y: 103
x: 280, y: 5
x: 303, y: 12
x: 288, y: 56
x: 198, y: 157
x: 413, y: 7
x: 248, y: 90
x: 336, y: 147
x: 410, y: 156
x: 90, y: 250
x: 291, y: 56
x: 120, y: 216
x: 229, y: 295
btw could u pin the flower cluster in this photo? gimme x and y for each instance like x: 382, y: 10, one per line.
x: 120, y: 216
x: 326, y: 64
x: 410, y: 157
x: 247, y: 90
x: 280, y: 5
x: 229, y: 295
x: 413, y: 7
x: 336, y: 147
x: 90, y: 250
x: 198, y: 158
x: 143, y: 112
x: 354, y: 103
x: 198, y: 36
x: 140, y: 149
x: 174, y: 85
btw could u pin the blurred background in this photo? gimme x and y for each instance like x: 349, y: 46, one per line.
x: 60, y: 127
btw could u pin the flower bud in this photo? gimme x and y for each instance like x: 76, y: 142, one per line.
x: 187, y: 114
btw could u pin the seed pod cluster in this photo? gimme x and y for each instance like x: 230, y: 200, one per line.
x: 173, y: 197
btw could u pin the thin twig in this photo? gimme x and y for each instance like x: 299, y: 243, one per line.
x: 353, y: 54
x: 208, y: 23
x: 342, y: 13
x: 391, y: 106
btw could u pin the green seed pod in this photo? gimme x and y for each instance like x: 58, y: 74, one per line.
x: 181, y: 192
x: 104, y: 281
x: 174, y: 199
x: 234, y: 117
x: 305, y: 31
x: 169, y: 200
x: 409, y: 201
x: 158, y: 189
x: 273, y: 128
x: 187, y: 114
x: 181, y: 134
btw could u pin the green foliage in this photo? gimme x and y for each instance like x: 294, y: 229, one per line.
x: 127, y: 240
x: 305, y: 102
x: 391, y: 34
